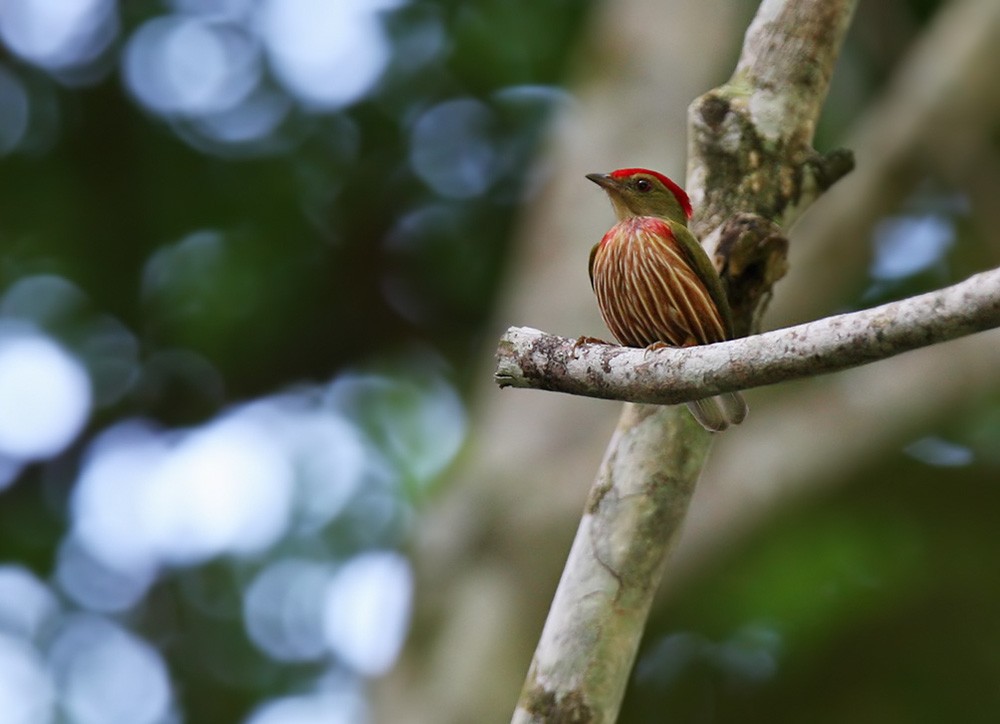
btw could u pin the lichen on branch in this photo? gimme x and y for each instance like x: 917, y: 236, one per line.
x: 529, y: 358
x: 749, y: 153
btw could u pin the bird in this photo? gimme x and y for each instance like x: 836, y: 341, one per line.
x: 654, y: 283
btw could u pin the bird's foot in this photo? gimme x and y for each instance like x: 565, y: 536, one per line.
x: 653, y: 348
x: 580, y: 341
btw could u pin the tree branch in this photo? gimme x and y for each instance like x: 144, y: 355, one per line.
x: 947, y: 81
x: 750, y: 154
x: 531, y: 359
x: 943, y: 82
x: 750, y: 142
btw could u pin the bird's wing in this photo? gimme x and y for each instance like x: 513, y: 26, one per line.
x: 699, y: 261
x: 590, y: 265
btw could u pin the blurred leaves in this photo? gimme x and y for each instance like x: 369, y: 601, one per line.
x: 234, y: 248
x: 270, y: 232
x: 873, y: 604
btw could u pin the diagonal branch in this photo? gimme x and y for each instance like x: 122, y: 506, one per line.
x: 531, y: 359
x: 750, y: 153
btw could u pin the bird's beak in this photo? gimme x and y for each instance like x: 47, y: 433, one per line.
x: 604, y: 180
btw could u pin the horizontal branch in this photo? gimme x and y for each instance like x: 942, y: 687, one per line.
x: 532, y: 359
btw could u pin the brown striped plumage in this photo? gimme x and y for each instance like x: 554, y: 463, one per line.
x: 655, y: 285
x: 648, y: 292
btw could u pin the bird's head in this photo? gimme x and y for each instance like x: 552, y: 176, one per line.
x: 641, y: 192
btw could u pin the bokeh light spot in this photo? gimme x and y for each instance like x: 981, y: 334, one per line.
x: 27, y: 695
x: 96, y: 586
x: 111, y: 353
x: 45, y: 396
x: 58, y: 34
x: 283, y: 610
x: 9, y: 470
x: 331, y: 457
x: 254, y: 121
x: 328, y: 54
x: 224, y: 489
x: 908, y: 245
x: 452, y: 150
x: 419, y: 423
x: 180, y: 278
x: 368, y: 610
x: 939, y: 452
x: 27, y: 606
x: 110, y: 496
x: 347, y: 706
x: 103, y: 344
x: 216, y: 9
x: 107, y: 675
x: 186, y: 65
x: 46, y: 299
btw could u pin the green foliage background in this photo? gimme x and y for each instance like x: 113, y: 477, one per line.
x: 323, y: 252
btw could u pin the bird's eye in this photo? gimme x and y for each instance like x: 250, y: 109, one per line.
x: 643, y: 185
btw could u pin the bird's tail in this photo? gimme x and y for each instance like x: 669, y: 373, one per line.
x: 717, y: 413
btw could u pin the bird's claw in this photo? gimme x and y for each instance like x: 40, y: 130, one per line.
x: 580, y: 341
x: 653, y: 348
